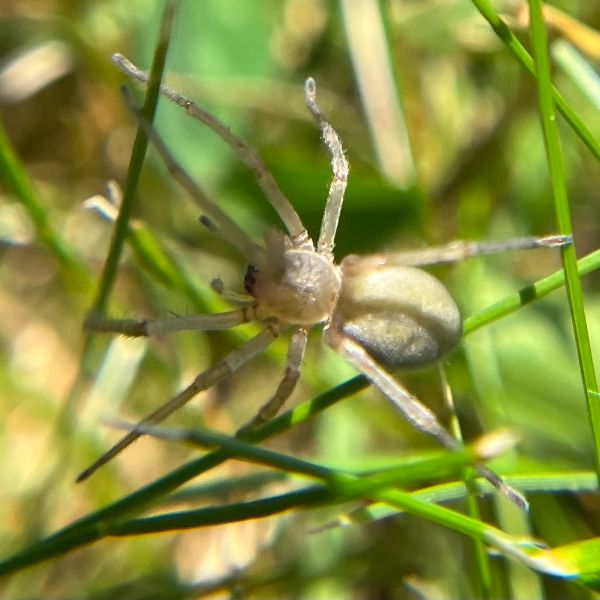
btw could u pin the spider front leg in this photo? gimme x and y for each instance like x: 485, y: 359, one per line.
x: 219, y: 220
x: 247, y: 155
x: 286, y: 386
x: 205, y: 380
x: 339, y: 166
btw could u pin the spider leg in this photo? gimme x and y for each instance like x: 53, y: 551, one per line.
x: 229, y: 229
x: 264, y: 178
x: 340, y: 167
x: 215, y: 374
x: 148, y: 327
x: 454, y: 252
x: 415, y: 412
x: 515, y: 496
x: 286, y: 386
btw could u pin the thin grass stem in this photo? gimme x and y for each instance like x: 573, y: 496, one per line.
x: 563, y: 214
x: 138, y: 153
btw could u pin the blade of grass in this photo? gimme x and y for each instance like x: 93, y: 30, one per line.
x: 17, y: 181
x: 520, y: 53
x: 138, y: 153
x: 559, y: 188
x: 224, y: 487
x: 88, y: 356
x: 483, y: 571
x: 340, y: 487
x: 572, y: 482
x: 368, y: 44
x: 579, y: 562
x: 528, y: 294
x: 147, y: 495
x: 578, y: 69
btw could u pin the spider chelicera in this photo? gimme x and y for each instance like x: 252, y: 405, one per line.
x: 379, y: 311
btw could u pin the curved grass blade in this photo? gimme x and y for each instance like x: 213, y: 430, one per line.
x: 520, y: 53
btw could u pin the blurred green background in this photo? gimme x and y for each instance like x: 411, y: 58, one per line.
x: 442, y: 132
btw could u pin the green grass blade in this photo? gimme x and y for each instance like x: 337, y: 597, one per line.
x: 520, y: 53
x: 573, y: 482
x: 138, y: 153
x: 528, y: 294
x: 559, y: 188
x: 340, y: 487
x: 578, y: 562
x: 91, y: 527
x: 579, y: 70
x: 17, y: 181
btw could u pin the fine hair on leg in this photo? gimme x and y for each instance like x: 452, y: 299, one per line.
x: 339, y: 166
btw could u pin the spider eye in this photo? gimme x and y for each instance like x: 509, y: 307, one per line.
x: 250, y: 278
x: 204, y: 220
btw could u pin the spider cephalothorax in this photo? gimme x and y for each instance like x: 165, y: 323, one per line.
x: 299, y: 286
x: 378, y: 311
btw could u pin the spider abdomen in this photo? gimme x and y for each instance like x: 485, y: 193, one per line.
x: 403, y: 316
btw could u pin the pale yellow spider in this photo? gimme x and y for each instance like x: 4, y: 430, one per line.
x: 377, y: 311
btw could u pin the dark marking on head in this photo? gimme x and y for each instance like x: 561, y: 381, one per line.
x: 250, y: 278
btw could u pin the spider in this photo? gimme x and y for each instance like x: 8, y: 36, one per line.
x: 380, y: 311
